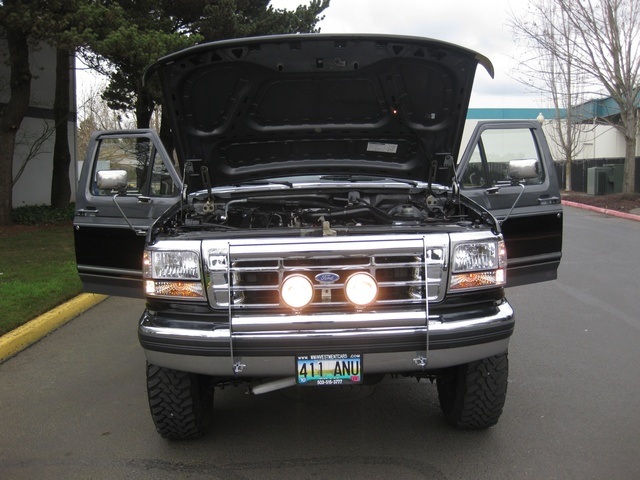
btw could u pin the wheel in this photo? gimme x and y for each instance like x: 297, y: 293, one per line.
x: 472, y: 395
x: 181, y: 403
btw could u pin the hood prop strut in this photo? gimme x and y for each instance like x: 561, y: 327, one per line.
x: 206, y: 180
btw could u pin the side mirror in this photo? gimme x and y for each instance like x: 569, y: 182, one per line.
x: 520, y: 170
x: 523, y: 169
x: 114, y: 180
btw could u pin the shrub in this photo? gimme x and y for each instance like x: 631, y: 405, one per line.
x: 42, y: 215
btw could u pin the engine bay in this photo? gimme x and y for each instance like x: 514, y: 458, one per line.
x: 306, y: 209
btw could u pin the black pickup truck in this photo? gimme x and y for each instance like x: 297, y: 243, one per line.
x: 319, y: 224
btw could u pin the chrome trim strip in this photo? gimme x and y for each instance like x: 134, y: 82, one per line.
x: 331, y: 321
x: 109, y: 271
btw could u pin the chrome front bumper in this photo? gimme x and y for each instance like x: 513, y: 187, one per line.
x: 406, y: 343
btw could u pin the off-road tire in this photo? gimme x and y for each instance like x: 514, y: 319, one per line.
x: 181, y: 403
x: 472, y: 395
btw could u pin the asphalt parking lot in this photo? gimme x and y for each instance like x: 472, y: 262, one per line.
x: 74, y: 405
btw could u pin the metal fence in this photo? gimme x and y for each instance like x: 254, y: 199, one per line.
x: 579, y: 170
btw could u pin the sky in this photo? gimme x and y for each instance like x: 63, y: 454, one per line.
x: 480, y: 25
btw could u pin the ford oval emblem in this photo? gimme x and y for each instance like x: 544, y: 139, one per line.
x: 327, y: 277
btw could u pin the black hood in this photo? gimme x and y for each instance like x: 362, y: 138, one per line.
x: 381, y: 105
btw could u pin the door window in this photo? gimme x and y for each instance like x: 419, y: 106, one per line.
x: 146, y: 172
x: 489, y: 162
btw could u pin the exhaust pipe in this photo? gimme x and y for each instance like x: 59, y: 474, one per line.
x: 273, y: 386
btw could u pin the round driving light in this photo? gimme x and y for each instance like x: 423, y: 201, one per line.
x: 361, y: 289
x: 296, y: 291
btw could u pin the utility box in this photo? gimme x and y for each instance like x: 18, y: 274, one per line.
x: 615, y: 177
x: 605, y: 180
x: 597, y: 179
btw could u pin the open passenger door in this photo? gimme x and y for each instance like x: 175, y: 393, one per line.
x: 126, y: 183
x: 507, y: 168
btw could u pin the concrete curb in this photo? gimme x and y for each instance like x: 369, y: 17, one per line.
x: 606, y: 211
x: 17, y: 340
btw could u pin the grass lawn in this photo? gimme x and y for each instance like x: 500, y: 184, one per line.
x: 37, y: 272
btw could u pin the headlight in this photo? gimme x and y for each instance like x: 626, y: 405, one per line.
x: 172, y: 264
x: 172, y: 273
x: 478, y: 265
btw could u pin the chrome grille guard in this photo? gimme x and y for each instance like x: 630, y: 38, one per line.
x: 244, y: 277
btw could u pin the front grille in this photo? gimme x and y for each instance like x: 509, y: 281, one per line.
x: 255, y: 270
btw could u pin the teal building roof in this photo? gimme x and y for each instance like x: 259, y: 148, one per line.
x: 509, y: 113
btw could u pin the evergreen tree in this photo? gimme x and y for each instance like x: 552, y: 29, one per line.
x: 152, y: 29
x: 15, y: 28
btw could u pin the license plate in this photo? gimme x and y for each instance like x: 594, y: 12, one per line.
x: 329, y: 369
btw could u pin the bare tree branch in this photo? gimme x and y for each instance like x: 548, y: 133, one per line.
x: 593, y: 45
x: 34, y: 145
x: 550, y: 68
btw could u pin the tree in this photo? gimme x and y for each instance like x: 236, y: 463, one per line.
x: 541, y: 35
x: 16, y: 25
x: 35, y: 144
x: 153, y: 29
x: 94, y: 114
x: 64, y: 24
x: 247, y: 18
x: 60, y: 184
x: 119, y: 38
x: 69, y: 24
x: 606, y: 52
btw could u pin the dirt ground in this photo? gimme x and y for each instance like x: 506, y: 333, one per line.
x: 616, y: 201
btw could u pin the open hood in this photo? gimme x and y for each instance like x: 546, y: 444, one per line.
x: 256, y: 108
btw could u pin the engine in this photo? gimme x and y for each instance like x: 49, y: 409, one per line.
x: 345, y: 209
